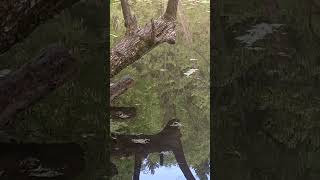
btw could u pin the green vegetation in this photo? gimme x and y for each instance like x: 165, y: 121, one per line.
x: 162, y: 90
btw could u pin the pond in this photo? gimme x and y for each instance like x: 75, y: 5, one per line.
x: 171, y: 82
x: 65, y: 135
x: 266, y: 90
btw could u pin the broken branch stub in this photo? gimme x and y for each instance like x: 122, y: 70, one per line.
x: 142, y: 40
x: 130, y: 21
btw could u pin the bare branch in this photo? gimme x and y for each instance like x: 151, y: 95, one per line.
x: 130, y: 21
x: 171, y: 11
x: 120, y: 87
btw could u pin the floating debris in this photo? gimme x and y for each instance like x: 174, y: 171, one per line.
x: 166, y: 152
x: 257, y: 32
x: 176, y: 124
x: 4, y: 72
x: 190, y: 71
x: 192, y: 59
x: 138, y: 134
x: 256, y: 48
x: 88, y: 135
x: 113, y: 35
x: 44, y: 172
x: 283, y: 54
x: 141, y: 141
x: 122, y: 115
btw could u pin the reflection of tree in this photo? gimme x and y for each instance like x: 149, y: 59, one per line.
x: 266, y: 104
x: 202, y: 170
x: 142, y: 145
x: 161, y: 87
x: 39, y: 161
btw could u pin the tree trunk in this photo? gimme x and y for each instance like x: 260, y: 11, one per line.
x: 34, y: 80
x: 138, y: 42
x: 19, y: 18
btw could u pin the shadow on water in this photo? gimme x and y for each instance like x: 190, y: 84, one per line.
x: 266, y: 90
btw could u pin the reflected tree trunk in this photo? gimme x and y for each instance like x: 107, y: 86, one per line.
x: 33, y: 81
x: 141, y: 145
x: 137, y: 166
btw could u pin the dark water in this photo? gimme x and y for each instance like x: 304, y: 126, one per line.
x: 66, y: 135
x: 63, y: 136
x: 266, y: 89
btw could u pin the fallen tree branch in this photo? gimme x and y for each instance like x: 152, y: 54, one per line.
x: 120, y: 87
x: 19, y: 18
x: 34, y: 80
x: 140, y: 41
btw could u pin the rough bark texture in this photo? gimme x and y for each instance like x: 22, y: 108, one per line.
x: 40, y: 161
x: 166, y: 140
x: 18, y: 18
x: 140, y: 41
x: 34, y: 80
x: 120, y: 87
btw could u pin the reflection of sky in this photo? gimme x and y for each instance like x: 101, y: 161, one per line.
x: 166, y: 173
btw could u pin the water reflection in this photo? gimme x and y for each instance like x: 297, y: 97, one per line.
x: 140, y: 146
x: 171, y: 82
x: 266, y: 91
x: 32, y: 161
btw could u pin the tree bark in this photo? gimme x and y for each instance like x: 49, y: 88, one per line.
x: 120, y: 87
x: 139, y: 41
x: 34, y: 80
x: 19, y: 18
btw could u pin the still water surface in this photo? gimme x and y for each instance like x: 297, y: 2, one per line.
x: 172, y: 82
